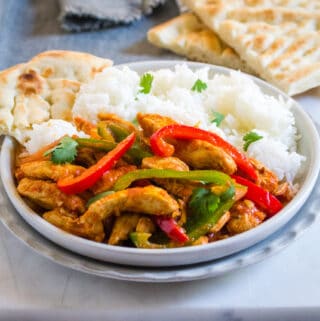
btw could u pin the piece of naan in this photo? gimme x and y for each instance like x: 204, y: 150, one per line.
x: 44, y: 88
x: 279, y: 39
x: 187, y: 36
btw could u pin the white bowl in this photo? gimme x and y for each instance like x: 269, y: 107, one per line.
x: 308, y: 145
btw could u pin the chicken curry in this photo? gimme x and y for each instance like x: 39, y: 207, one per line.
x: 153, y: 183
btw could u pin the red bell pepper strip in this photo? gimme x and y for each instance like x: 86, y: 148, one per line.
x: 172, y: 229
x: 260, y: 196
x: 91, y: 175
x: 161, y: 148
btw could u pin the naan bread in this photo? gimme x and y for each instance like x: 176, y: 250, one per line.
x: 279, y: 39
x: 186, y: 35
x: 44, y: 88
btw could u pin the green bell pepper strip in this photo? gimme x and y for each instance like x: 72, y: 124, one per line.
x: 104, y: 132
x: 137, y: 151
x: 118, y: 131
x: 207, y: 176
x: 134, y: 154
x: 141, y: 240
x: 98, y: 144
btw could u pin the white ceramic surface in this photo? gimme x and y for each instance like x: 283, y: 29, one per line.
x: 308, y: 146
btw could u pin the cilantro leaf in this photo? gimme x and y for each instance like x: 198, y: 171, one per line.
x: 202, y: 204
x: 205, y: 209
x: 250, y: 138
x: 203, y: 200
x: 146, y: 83
x: 218, y: 118
x: 65, y: 152
x: 199, y: 86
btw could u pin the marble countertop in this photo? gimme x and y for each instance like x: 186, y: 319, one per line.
x: 34, y: 288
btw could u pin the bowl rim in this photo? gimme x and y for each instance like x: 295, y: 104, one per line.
x: 292, y: 207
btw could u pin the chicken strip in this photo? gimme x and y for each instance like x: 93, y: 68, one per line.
x: 145, y: 225
x: 164, y: 163
x: 87, y: 156
x: 221, y: 222
x: 48, y: 170
x: 110, y: 177
x: 201, y: 240
x: 62, y: 211
x: 150, y: 123
x: 266, y: 178
x: 149, y: 200
x: 244, y: 217
x: 110, y: 118
x: 47, y: 195
x: 196, y: 153
x: 203, y: 155
x: 87, y: 127
x: 182, y: 189
x: 285, y: 192
x: 123, y: 226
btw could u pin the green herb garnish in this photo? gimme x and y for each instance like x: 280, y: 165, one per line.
x: 146, y: 83
x: 64, y: 152
x: 203, y: 202
x: 250, y: 138
x: 199, y: 86
x: 218, y: 118
x: 205, y: 208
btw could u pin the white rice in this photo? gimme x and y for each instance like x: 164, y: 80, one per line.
x: 46, y: 133
x: 237, y: 97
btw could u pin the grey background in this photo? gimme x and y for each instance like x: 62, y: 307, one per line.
x: 28, y: 27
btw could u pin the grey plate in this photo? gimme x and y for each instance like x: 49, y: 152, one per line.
x: 305, y: 218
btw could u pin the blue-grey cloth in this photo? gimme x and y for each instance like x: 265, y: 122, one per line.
x: 82, y: 15
x: 28, y: 27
